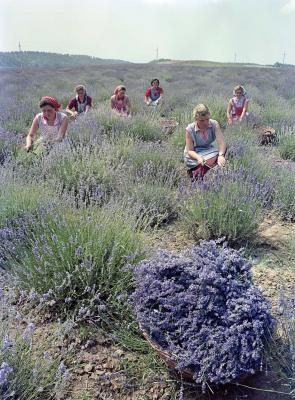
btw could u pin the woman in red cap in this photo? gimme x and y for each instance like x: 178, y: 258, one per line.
x: 51, y: 123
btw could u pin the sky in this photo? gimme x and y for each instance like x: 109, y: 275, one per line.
x: 254, y: 31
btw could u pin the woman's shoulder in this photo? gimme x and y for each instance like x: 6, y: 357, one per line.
x: 38, y: 117
x: 61, y: 114
x: 190, y: 127
x: 213, y: 123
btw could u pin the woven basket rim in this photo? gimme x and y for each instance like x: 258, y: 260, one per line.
x: 171, y: 363
x: 264, y: 128
x: 170, y: 122
x: 166, y: 356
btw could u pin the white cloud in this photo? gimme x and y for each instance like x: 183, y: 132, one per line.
x: 160, y: 1
x: 195, y: 2
x: 289, y: 7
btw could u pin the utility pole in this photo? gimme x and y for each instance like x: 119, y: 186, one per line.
x: 19, y: 47
x: 235, y: 59
x: 284, y: 57
x: 157, y: 54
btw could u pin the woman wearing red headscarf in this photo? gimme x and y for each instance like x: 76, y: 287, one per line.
x: 51, y: 123
x: 120, y: 102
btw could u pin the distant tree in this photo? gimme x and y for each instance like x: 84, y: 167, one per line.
x: 29, y: 59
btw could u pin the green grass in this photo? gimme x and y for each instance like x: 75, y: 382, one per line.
x: 76, y: 260
x: 15, y: 199
x: 286, y: 147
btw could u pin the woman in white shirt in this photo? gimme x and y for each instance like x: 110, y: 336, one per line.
x: 51, y: 123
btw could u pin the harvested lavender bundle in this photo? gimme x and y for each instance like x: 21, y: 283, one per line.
x: 204, y: 310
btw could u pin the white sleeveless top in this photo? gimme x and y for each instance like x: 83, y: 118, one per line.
x: 50, y: 133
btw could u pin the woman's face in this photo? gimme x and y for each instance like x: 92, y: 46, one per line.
x: 81, y: 93
x: 48, y: 112
x: 238, y: 93
x: 121, y: 92
x: 203, y: 121
x: 155, y: 84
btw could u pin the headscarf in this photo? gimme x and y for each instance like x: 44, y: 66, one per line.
x: 52, y: 101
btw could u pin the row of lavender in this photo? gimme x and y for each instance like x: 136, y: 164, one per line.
x: 73, y: 220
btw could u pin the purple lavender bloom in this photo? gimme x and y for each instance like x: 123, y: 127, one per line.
x: 78, y: 251
x: 5, y: 370
x: 29, y: 331
x: 202, y: 307
x: 6, y: 343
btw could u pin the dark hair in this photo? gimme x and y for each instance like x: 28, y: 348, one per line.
x: 154, y: 80
x: 44, y: 103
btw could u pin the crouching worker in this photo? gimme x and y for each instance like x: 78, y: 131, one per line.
x: 52, y: 126
x: 237, y: 106
x: 154, y: 94
x: 81, y: 103
x: 205, y: 146
x: 120, y: 103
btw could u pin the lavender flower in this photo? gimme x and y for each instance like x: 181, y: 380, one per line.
x: 204, y: 309
x: 6, y: 343
x: 29, y: 331
x: 5, y: 370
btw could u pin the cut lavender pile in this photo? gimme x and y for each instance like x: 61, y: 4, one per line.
x: 204, y: 310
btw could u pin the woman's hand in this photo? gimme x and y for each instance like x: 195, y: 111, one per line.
x: 201, y: 160
x: 221, y: 161
x: 28, y: 147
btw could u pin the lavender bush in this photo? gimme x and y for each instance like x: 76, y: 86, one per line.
x: 72, y: 262
x: 17, y: 198
x: 152, y: 162
x: 281, y: 346
x: 286, y: 147
x: 204, y: 310
x: 82, y: 173
x: 226, y: 203
x: 284, y: 197
x: 152, y: 203
x: 8, y: 146
x: 25, y: 371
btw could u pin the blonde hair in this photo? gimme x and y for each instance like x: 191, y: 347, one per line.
x: 200, y: 111
x: 80, y: 87
x: 241, y: 88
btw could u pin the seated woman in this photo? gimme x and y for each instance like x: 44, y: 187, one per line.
x: 205, y: 146
x: 51, y: 124
x: 237, y: 105
x: 154, y: 94
x: 120, y: 103
x: 80, y: 103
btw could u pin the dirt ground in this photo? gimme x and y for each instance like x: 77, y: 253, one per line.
x: 99, y: 368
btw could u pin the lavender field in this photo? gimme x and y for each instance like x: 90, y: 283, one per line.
x: 105, y: 236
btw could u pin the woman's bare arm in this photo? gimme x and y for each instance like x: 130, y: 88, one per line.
x: 31, y: 134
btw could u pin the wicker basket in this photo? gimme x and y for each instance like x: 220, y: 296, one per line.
x: 68, y: 114
x: 169, y: 125
x: 172, y: 364
x: 167, y: 357
x: 266, y: 133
